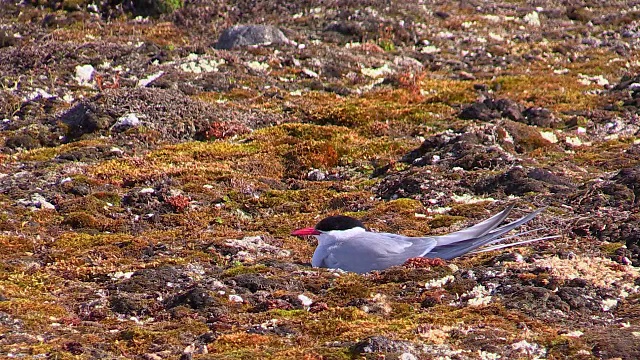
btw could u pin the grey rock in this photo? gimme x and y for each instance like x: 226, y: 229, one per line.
x: 382, y: 344
x: 36, y: 202
x: 247, y: 35
x: 316, y: 175
x: 127, y: 121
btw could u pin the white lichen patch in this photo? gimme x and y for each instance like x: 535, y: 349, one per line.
x: 485, y: 355
x: 477, y: 296
x: 574, y: 334
x: 257, y: 66
x: 600, y: 272
x: 305, y: 300
x: 550, y: 136
x: 436, y: 283
x: 532, y: 350
x: 149, y: 79
x: 589, y: 80
x: 254, y: 246
x: 532, y: 19
x: 575, y: 141
x: 430, y: 49
x: 468, y: 199
x: 118, y: 275
x: 608, y: 304
x: 376, y: 72
x: 84, y: 74
x: 198, y: 64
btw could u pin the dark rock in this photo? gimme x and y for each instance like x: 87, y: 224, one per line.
x: 532, y: 298
x: 539, y: 117
x: 253, y: 282
x: 6, y: 39
x: 407, y: 184
x: 83, y: 118
x: 477, y: 111
x: 346, y: 28
x: 270, y: 304
x: 431, y: 300
x: 153, y: 7
x: 246, y: 35
x: 275, y: 329
x: 612, y: 343
x: 73, y: 347
x: 509, y: 109
x: 491, y: 109
x: 87, y: 154
x: 190, y: 118
x: 470, y: 150
x: 582, y: 14
x: 26, y: 142
x: 208, y: 337
x: 151, y: 280
x: 382, y: 344
x: 196, y: 298
x: 630, y: 254
x: 630, y: 177
x: 481, y: 87
x: 519, y: 181
x: 573, y: 296
x: 125, y: 305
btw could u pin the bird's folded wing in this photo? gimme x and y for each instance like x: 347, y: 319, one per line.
x: 458, y: 247
x: 375, y: 251
x: 476, y: 230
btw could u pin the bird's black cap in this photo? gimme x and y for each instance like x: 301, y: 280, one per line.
x: 338, y: 222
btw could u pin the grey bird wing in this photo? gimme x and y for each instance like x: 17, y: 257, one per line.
x: 375, y: 251
x: 450, y: 246
x: 476, y: 230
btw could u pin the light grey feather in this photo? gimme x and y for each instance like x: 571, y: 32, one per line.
x: 475, y: 230
x: 456, y: 247
x: 503, y: 246
x: 374, y: 251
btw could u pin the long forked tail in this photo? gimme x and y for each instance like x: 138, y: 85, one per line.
x: 485, y: 233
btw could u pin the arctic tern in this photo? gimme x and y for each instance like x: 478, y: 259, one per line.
x: 344, y: 243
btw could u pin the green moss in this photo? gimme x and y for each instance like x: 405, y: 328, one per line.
x: 311, y: 198
x: 202, y: 151
x: 350, y: 286
x: 71, y: 5
x: 402, y: 205
x: 387, y: 45
x: 90, y: 204
x: 610, y: 249
x: 439, y: 221
x: 82, y: 220
x: 36, y: 311
x: 41, y: 154
x: 157, y: 7
x: 286, y: 133
x: 108, y: 197
x: 239, y: 269
x: 76, y: 241
x: 290, y: 314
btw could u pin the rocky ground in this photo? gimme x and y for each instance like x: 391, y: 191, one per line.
x: 150, y: 175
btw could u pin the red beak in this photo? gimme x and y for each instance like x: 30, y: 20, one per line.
x: 305, y: 232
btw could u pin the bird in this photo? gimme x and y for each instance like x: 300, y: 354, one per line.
x: 344, y: 242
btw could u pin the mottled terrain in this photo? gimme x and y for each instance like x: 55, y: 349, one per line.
x: 146, y: 201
